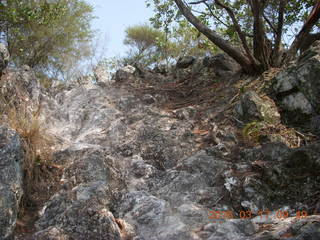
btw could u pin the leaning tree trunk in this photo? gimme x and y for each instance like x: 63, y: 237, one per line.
x: 246, y: 63
x: 308, y: 41
x: 304, y: 32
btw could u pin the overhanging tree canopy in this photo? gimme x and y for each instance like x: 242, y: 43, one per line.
x: 259, y: 26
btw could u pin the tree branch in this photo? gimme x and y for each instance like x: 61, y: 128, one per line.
x: 210, y: 10
x: 269, y: 23
x: 238, y: 29
x: 198, y: 2
x: 305, y: 30
x: 213, y: 15
x: 213, y: 36
x: 307, y: 42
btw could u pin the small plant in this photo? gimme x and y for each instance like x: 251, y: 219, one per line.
x: 242, y: 89
x: 253, y: 130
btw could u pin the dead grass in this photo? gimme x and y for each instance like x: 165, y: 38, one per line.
x: 17, y: 113
x: 40, y: 174
x: 257, y: 84
x: 255, y: 132
x: 37, y: 147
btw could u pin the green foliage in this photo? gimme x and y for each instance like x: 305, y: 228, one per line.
x: 46, y: 35
x: 180, y: 37
x: 190, y: 41
x: 253, y: 130
x: 166, y: 16
x: 148, y: 45
x: 143, y: 37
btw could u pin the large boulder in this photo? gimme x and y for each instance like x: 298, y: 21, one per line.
x: 283, y: 177
x: 297, y: 102
x: 4, y: 57
x: 101, y: 75
x: 207, y: 68
x: 253, y: 108
x: 185, y: 62
x: 297, y: 87
x: 124, y: 74
x: 22, y: 86
x: 11, y: 157
x: 222, y: 64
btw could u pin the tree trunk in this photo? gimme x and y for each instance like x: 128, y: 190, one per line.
x: 241, y: 34
x: 261, y: 45
x: 276, y: 58
x: 308, y: 41
x: 247, y: 65
x: 304, y: 32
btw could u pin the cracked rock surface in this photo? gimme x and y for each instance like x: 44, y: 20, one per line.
x: 11, y: 155
x: 133, y: 171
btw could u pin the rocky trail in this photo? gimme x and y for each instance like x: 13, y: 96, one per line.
x: 129, y: 168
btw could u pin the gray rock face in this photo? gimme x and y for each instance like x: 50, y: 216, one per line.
x: 4, y: 57
x: 277, y: 178
x: 251, y: 107
x: 124, y: 73
x: 222, y: 64
x: 104, y: 133
x: 134, y: 171
x: 185, y: 62
x: 193, y: 72
x: 206, y: 68
x: 22, y: 86
x: 101, y: 75
x: 11, y: 157
x: 297, y: 86
x: 297, y: 102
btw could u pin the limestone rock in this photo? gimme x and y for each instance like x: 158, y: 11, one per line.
x: 162, y: 69
x: 11, y: 157
x: 252, y: 107
x: 134, y: 171
x: 4, y: 57
x: 51, y: 233
x: 280, y: 165
x: 22, y: 86
x: 185, y: 62
x: 222, y: 64
x: 148, y: 99
x: 297, y: 102
x: 125, y: 73
x: 298, y: 85
x: 101, y: 75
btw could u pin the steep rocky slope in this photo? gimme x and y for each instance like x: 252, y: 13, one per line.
x: 132, y: 169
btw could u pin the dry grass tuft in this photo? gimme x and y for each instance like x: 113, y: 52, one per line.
x: 37, y: 147
x: 17, y: 113
x: 41, y: 176
x: 37, y: 142
x: 257, y: 132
